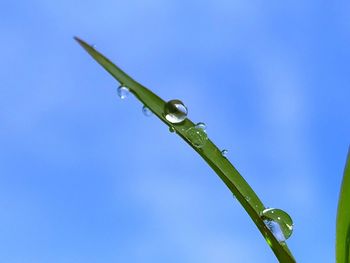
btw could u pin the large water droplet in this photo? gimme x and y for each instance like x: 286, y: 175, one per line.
x: 123, y: 92
x: 175, y: 111
x: 279, y: 222
x: 197, y: 136
x: 224, y: 152
x: 146, y: 111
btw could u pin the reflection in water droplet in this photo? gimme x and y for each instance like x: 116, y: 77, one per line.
x: 197, y: 136
x: 279, y: 223
x: 175, y: 111
x: 146, y: 111
x: 123, y: 92
x: 224, y: 152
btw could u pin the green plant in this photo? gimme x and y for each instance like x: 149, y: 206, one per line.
x: 173, y: 114
x: 343, y: 218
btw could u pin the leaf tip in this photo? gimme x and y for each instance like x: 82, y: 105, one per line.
x: 80, y: 41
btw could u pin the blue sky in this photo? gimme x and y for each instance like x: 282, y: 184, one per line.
x: 85, y: 177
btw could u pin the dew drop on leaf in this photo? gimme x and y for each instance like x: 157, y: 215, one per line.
x: 279, y: 223
x: 175, y: 111
x: 224, y: 152
x: 201, y: 125
x: 146, y: 111
x: 123, y: 92
x: 197, y: 136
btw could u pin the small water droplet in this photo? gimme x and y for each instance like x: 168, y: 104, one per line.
x: 279, y: 223
x: 175, y: 111
x: 123, y: 92
x: 146, y: 111
x: 224, y: 152
x: 171, y: 129
x: 197, y: 136
x: 93, y: 46
x: 201, y: 125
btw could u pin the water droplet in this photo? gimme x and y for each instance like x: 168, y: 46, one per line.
x: 197, y: 136
x: 201, y: 125
x: 93, y: 46
x: 123, y: 92
x: 171, y: 129
x: 175, y: 111
x: 279, y: 222
x: 224, y: 152
x: 146, y: 111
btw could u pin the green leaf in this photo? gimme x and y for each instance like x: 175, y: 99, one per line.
x: 210, y: 153
x: 343, y: 218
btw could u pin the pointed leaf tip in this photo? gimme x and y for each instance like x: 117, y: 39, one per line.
x: 80, y: 41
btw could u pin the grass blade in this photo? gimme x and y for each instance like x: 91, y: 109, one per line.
x: 343, y: 218
x: 210, y: 153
